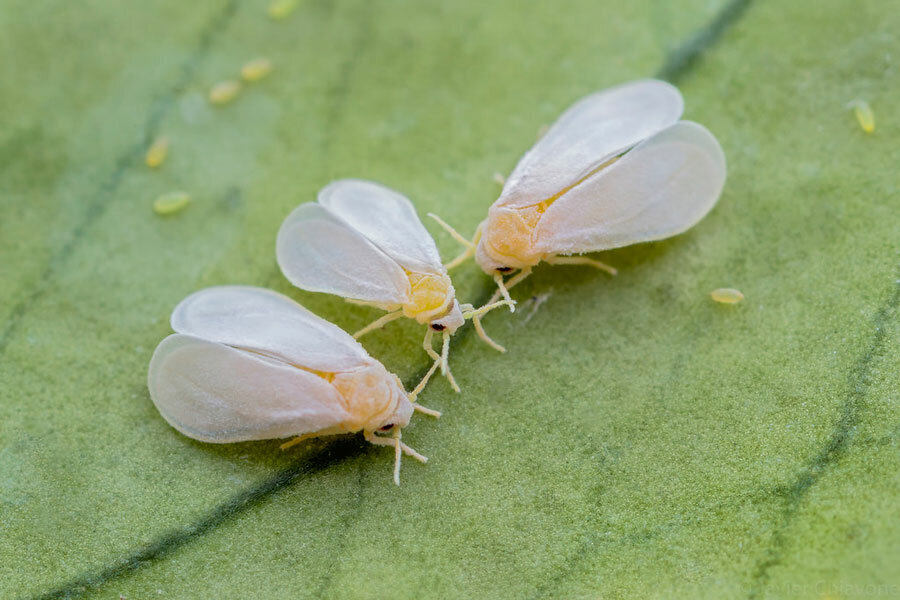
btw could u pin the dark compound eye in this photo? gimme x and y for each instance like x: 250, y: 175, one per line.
x: 387, y: 427
x: 504, y: 269
x: 438, y: 327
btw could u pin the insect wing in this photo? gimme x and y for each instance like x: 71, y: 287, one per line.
x: 588, y: 134
x: 267, y: 323
x: 387, y: 219
x: 215, y: 393
x: 318, y: 252
x: 660, y: 188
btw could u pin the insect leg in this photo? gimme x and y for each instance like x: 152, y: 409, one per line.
x: 440, y: 360
x: 518, y: 278
x: 445, y: 352
x: 381, y: 305
x: 503, y: 287
x: 580, y: 260
x: 471, y: 312
x: 398, y: 454
x: 418, y: 389
x: 297, y: 440
x: 445, y: 368
x: 504, y: 292
x: 378, y: 323
x: 487, y: 340
x: 398, y: 445
x: 428, y: 411
x: 426, y: 344
x: 410, y: 452
x: 493, y: 302
x: 337, y: 430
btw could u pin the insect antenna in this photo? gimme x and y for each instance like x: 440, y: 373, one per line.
x: 504, y: 292
x: 469, y: 245
x: 445, y: 367
x: 399, y: 449
x: 479, y: 329
x: 472, y: 312
x: 398, y: 453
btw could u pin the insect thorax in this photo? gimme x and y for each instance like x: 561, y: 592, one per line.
x: 430, y: 296
x: 370, y: 396
x: 508, y: 235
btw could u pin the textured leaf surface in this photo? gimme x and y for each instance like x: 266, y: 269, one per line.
x: 637, y: 440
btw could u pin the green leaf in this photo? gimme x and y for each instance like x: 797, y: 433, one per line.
x: 637, y: 439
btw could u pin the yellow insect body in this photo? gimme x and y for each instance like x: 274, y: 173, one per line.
x: 368, y: 397
x: 431, y: 297
x: 509, y: 233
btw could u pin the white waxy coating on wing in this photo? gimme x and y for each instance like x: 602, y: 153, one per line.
x: 660, y: 188
x: 215, y: 393
x: 588, y: 134
x: 387, y: 219
x: 320, y: 253
x: 268, y: 323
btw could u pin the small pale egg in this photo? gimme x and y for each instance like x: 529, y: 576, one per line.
x: 224, y: 92
x: 256, y: 69
x: 282, y: 9
x: 727, y: 295
x: 864, y: 115
x: 171, y: 202
x: 157, y: 152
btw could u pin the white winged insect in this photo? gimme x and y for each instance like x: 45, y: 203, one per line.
x: 364, y: 242
x: 617, y: 168
x: 247, y: 363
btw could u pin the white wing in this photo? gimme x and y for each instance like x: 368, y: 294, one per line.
x: 588, y: 134
x: 216, y: 393
x: 267, y: 323
x: 320, y: 253
x: 660, y: 188
x: 387, y: 218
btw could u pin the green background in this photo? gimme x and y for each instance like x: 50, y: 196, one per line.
x: 637, y: 440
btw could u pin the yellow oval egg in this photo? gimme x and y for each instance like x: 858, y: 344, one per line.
x: 864, y: 115
x: 256, y: 69
x: 171, y: 203
x: 727, y: 295
x: 281, y: 9
x: 157, y: 152
x: 224, y: 91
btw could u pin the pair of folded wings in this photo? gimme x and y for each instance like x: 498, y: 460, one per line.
x: 235, y: 369
x: 358, y: 241
x: 669, y: 173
